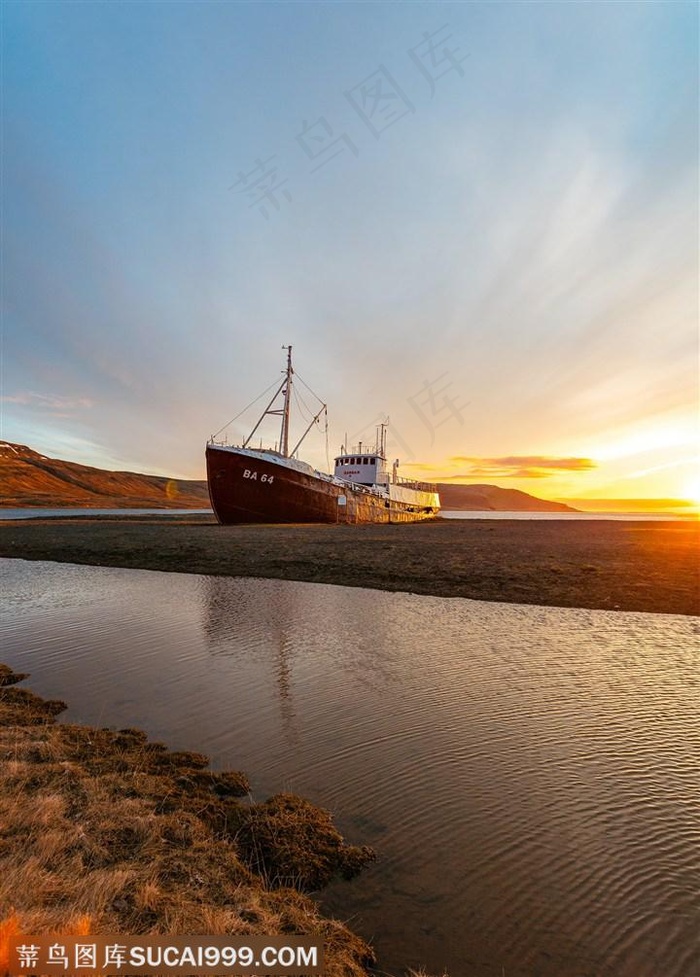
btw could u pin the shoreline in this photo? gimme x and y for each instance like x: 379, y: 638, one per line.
x: 108, y: 832
x: 647, y: 566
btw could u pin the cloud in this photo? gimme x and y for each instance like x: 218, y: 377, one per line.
x: 535, y: 236
x: 520, y: 466
x: 692, y: 460
x: 58, y: 406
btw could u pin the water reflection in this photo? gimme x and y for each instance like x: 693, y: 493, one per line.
x: 530, y: 775
x: 234, y: 619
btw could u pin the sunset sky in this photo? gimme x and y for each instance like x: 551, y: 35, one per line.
x: 478, y: 219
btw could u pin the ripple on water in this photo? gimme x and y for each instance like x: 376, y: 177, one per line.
x: 530, y: 775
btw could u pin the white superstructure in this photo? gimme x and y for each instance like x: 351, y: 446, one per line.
x: 369, y: 467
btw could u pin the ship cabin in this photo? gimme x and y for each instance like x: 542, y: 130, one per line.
x: 362, y: 467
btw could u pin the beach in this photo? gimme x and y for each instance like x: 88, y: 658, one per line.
x: 605, y: 564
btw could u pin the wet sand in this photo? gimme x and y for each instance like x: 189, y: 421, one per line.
x: 631, y: 566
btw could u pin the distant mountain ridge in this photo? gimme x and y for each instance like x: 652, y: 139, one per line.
x: 29, y: 479
x: 491, y: 497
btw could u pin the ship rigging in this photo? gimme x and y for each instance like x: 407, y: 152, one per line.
x: 249, y: 484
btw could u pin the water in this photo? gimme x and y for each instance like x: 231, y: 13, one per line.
x: 41, y: 513
x: 68, y: 513
x: 571, y: 516
x: 529, y: 775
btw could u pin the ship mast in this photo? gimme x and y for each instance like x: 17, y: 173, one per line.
x: 284, y: 435
x: 285, y: 388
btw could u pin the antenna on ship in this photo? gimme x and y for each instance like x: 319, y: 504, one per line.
x: 284, y: 436
x: 382, y: 438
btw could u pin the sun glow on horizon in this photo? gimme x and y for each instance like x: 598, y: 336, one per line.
x: 646, y: 439
x: 691, y: 491
x: 660, y: 475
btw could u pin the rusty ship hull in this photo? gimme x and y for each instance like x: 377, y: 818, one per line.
x: 247, y: 486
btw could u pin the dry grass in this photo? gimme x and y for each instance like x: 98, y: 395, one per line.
x: 105, y: 831
x: 422, y: 973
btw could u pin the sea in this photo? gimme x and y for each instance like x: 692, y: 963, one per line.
x: 40, y: 512
x: 529, y: 776
x: 46, y: 513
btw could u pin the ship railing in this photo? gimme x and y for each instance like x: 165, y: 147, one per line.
x: 225, y: 443
x: 412, y: 483
x: 356, y: 486
x: 363, y: 449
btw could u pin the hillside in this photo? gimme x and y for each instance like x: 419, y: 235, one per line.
x: 485, y: 497
x: 28, y: 478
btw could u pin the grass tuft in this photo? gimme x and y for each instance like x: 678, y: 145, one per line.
x: 102, y: 831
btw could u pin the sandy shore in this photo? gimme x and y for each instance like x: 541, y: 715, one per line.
x: 634, y: 566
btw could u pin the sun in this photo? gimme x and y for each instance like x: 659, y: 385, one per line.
x: 691, y: 491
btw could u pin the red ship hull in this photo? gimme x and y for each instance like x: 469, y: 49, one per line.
x: 251, y: 488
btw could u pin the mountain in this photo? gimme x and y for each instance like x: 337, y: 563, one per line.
x: 28, y: 478
x: 485, y: 497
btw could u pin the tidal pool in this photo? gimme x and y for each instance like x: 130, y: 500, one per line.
x: 530, y: 776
